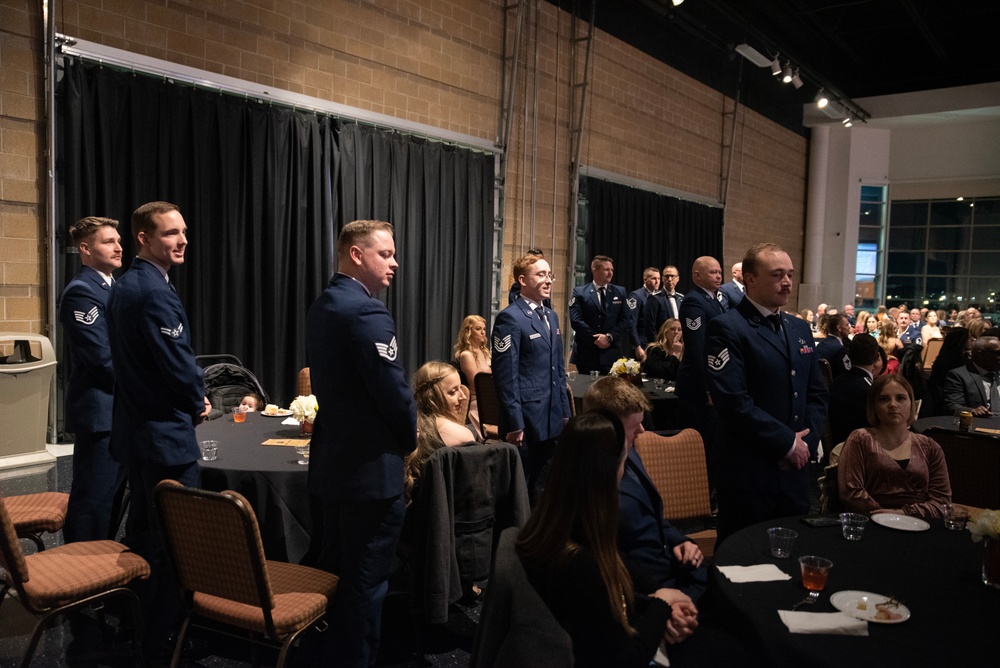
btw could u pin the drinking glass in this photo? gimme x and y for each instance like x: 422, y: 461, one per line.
x: 239, y: 414
x: 303, y: 452
x: 815, y: 571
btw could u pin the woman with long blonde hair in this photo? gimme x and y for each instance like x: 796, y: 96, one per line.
x: 472, y: 352
x: 442, y: 403
x: 890, y: 343
x: 663, y: 356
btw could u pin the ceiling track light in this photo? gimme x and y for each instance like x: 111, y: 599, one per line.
x: 775, y: 66
x: 677, y: 3
x: 821, y: 99
x: 796, y: 80
x: 786, y: 75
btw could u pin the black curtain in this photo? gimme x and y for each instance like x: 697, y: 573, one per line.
x: 264, y: 191
x: 642, y: 229
x: 440, y: 200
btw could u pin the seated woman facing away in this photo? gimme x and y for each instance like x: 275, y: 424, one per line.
x: 663, y: 357
x: 473, y: 354
x: 570, y: 554
x: 442, y: 404
x: 888, y: 469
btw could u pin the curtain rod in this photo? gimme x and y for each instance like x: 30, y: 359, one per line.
x: 605, y: 175
x: 211, y: 80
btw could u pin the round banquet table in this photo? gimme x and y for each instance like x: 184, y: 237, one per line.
x: 666, y: 414
x: 267, y: 475
x: 936, y: 573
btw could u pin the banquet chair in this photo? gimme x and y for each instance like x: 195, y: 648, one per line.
x: 216, y: 550
x: 572, y: 400
x: 827, y: 371
x: 829, y: 492
x: 676, y: 465
x: 66, y: 578
x: 35, y: 514
x: 931, y: 349
x: 489, y: 405
x: 303, y: 383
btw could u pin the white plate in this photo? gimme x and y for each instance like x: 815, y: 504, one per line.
x: 901, y: 522
x: 848, y: 601
x: 282, y: 412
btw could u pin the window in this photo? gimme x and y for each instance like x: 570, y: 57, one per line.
x: 871, y: 235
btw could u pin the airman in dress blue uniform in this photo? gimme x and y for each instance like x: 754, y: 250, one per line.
x: 636, y: 304
x: 528, y: 371
x: 733, y: 290
x: 365, y: 427
x: 600, y: 317
x: 159, y: 395
x: 766, y: 385
x: 97, y: 478
x: 665, y: 304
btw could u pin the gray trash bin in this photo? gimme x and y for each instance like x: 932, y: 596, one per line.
x: 27, y: 365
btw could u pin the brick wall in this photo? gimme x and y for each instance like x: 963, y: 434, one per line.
x: 436, y: 62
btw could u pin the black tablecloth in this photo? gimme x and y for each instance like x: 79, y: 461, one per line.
x: 935, y: 573
x: 948, y: 422
x: 268, y: 476
x: 666, y: 415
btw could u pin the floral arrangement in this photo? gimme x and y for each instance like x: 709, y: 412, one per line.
x: 304, y: 408
x: 625, y: 367
x: 984, y: 524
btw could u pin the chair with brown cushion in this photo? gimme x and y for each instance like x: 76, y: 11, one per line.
x: 67, y: 577
x: 215, y: 546
x: 931, y: 349
x: 35, y: 514
x: 827, y: 371
x: 489, y: 405
x: 303, y: 383
x: 676, y: 465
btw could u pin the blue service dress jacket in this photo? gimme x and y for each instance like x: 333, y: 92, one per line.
x: 636, y: 303
x: 529, y: 373
x: 658, y: 311
x: 82, y: 312
x: 160, y: 390
x: 833, y: 351
x: 587, y: 319
x: 766, y: 386
x: 367, y: 418
x: 646, y: 539
x: 731, y: 293
x: 697, y: 310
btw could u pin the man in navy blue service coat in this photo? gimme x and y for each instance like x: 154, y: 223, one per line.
x: 833, y: 348
x: 364, y: 429
x: 159, y: 393
x: 636, y: 303
x: 767, y: 387
x: 665, y: 304
x: 733, y: 290
x: 97, y: 478
x: 599, y: 314
x: 528, y: 371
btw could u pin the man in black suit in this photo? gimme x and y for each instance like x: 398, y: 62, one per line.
x: 974, y: 386
x: 664, y: 304
x: 600, y: 317
x: 833, y: 348
x: 365, y: 427
x: 849, y: 392
x: 636, y: 305
x: 766, y: 384
x: 97, y: 478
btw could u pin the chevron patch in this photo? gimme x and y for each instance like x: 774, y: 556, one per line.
x: 174, y: 333
x: 88, y: 318
x: 501, y: 345
x: 632, y: 303
x: 694, y: 324
x: 717, y: 362
x: 572, y: 300
x: 388, y: 350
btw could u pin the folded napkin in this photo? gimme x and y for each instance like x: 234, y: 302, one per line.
x: 832, y: 623
x: 758, y: 573
x: 292, y: 422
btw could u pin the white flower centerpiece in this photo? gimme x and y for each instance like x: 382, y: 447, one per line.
x: 304, y: 409
x: 626, y: 368
x: 985, y: 524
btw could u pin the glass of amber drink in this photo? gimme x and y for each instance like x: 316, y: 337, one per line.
x: 814, y: 572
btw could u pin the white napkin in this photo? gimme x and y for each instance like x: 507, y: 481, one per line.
x: 291, y: 422
x: 832, y: 623
x: 758, y: 573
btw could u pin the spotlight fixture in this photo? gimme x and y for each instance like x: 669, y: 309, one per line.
x: 677, y: 2
x: 847, y: 122
x: 786, y: 75
x: 796, y: 80
x: 821, y: 99
x: 775, y: 66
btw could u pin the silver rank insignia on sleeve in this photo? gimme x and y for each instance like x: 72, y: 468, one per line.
x: 716, y: 362
x: 693, y: 324
x: 632, y: 303
x: 387, y: 350
x: 88, y: 318
x: 572, y: 300
x: 501, y: 345
x: 174, y: 333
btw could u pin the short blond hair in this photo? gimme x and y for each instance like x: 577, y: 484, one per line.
x: 359, y: 232
x: 81, y: 230
x: 615, y: 395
